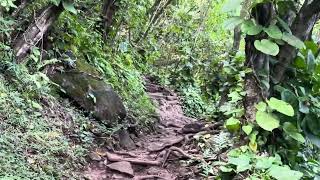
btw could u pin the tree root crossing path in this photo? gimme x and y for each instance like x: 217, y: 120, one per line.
x: 158, y: 154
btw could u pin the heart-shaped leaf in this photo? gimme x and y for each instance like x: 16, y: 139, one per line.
x: 233, y: 124
x: 266, y: 46
x: 250, y: 28
x: 281, y: 106
x: 284, y: 173
x: 231, y: 23
x: 267, y: 121
x: 242, y: 162
x: 261, y: 106
x: 273, y: 31
x: 247, y: 129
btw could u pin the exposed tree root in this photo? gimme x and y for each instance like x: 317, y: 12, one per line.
x: 116, y: 158
x: 179, y: 150
x: 125, y: 153
x: 171, y: 124
x: 167, y: 144
x: 147, y: 177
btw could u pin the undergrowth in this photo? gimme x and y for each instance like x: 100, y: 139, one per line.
x: 42, y: 137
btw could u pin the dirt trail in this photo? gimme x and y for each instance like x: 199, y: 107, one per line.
x: 157, y: 154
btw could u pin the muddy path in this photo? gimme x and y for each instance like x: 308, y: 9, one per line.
x: 156, y: 155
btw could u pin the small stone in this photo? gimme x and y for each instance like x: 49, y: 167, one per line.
x: 105, y: 162
x: 95, y: 156
x: 122, y: 166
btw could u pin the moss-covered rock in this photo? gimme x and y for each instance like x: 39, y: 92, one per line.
x: 91, y: 93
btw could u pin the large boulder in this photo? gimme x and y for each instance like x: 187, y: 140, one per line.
x: 91, y: 93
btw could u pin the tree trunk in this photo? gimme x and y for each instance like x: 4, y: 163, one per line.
x: 154, y: 7
x: 302, y: 28
x: 258, y: 62
x: 35, y: 31
x: 237, y: 31
x: 108, y: 12
x: 153, y: 19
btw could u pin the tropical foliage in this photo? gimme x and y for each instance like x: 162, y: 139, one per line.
x: 253, y: 65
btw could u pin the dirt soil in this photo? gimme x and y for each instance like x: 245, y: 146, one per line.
x: 157, y: 155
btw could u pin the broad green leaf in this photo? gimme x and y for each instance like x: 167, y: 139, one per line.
x: 293, y: 40
x: 56, y: 2
x: 293, y: 132
x: 250, y: 28
x: 261, y: 106
x: 242, y: 162
x: 267, y: 121
x: 233, y: 124
x: 231, y: 23
x: 225, y: 169
x: 231, y: 5
x: 67, y: 5
x: 284, y: 173
x: 273, y: 31
x: 266, y: 46
x: 289, y: 97
x: 284, y: 25
x: 247, y: 129
x: 281, y: 106
x: 264, y: 162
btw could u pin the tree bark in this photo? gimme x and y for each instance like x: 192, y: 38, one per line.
x: 258, y: 62
x: 108, y: 12
x: 301, y: 27
x: 35, y: 31
x: 237, y: 30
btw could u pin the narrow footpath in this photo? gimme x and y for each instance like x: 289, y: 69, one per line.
x: 158, y: 154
